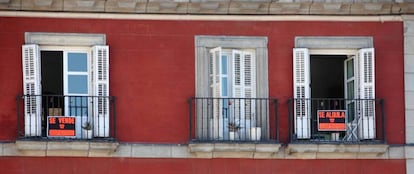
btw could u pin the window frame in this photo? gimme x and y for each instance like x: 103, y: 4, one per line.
x: 72, y: 49
x: 97, y: 50
x: 204, y: 43
x: 323, y: 46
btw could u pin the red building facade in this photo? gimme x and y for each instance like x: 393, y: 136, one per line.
x: 155, y: 68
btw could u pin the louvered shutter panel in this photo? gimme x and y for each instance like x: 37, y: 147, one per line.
x: 244, y: 90
x: 237, y: 74
x: 249, y: 83
x: 301, y: 92
x: 237, y: 84
x: 215, y: 74
x: 32, y: 90
x: 100, y: 72
x: 367, y: 92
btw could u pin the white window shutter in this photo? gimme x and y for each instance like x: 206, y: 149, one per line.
x: 238, y: 81
x: 244, y: 83
x: 301, y: 92
x: 249, y: 75
x: 238, y: 85
x: 32, y: 90
x: 244, y: 74
x: 249, y: 83
x: 367, y: 91
x: 100, y: 77
x: 215, y: 74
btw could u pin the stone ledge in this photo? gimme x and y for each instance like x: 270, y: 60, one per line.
x: 301, y: 7
x: 206, y: 150
x: 233, y: 150
x: 409, y: 151
x: 339, y: 151
x: 63, y: 148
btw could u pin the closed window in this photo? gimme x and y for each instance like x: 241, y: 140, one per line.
x: 231, y: 88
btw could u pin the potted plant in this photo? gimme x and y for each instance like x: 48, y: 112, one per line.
x: 255, y: 133
x: 87, y: 130
x: 233, y: 129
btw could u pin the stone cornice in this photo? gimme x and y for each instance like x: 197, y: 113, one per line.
x: 205, y: 150
x: 223, y: 7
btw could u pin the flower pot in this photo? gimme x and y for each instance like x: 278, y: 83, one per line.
x: 255, y: 133
x: 335, y: 136
x: 86, y: 134
x: 232, y: 135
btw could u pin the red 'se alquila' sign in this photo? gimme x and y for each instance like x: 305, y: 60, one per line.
x: 331, y: 120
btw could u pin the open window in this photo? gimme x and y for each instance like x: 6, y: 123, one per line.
x: 334, y: 94
x: 61, y: 82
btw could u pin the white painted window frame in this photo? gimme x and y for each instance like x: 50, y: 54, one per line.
x: 71, y: 42
x: 203, y: 44
x: 328, y: 46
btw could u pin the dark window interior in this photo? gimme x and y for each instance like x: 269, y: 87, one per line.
x: 52, y: 72
x: 327, y: 81
x: 52, y: 85
x: 327, y: 76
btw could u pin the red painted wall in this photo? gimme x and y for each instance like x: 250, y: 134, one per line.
x: 152, y: 68
x: 197, y: 166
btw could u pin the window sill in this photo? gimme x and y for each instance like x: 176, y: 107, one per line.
x: 314, y: 151
x: 233, y: 150
x: 65, y: 148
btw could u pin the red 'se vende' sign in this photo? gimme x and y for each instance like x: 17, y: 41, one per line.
x: 61, y: 126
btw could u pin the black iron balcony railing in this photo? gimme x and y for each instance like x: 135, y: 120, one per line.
x: 336, y: 120
x: 66, y: 117
x: 233, y: 120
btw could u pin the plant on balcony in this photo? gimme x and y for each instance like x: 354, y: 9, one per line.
x: 87, y: 130
x: 233, y: 127
x: 87, y: 126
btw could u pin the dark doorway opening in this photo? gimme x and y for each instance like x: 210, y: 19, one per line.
x: 52, y: 85
x: 52, y: 72
x: 327, y: 89
x: 327, y: 76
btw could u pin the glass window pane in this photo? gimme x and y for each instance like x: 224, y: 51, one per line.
x: 78, y: 106
x: 216, y: 67
x: 78, y: 111
x: 78, y: 62
x: 351, y: 112
x: 350, y: 68
x: 224, y: 87
x: 224, y: 65
x: 78, y: 101
x: 77, y: 84
x: 350, y: 90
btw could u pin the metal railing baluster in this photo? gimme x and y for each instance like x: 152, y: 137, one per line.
x: 359, y: 125
x: 232, y: 120
x: 63, y: 106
